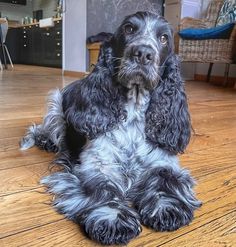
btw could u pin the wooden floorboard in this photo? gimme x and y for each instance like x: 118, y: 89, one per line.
x: 26, y: 217
x: 219, y: 232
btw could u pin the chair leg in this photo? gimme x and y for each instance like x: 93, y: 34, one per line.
x: 226, y: 75
x: 9, y: 57
x: 209, y: 72
x: 1, y: 65
x: 3, y: 52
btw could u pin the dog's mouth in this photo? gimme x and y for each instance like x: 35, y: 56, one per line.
x: 132, y: 74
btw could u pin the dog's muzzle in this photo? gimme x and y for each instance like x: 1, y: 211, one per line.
x: 142, y: 54
x: 139, y: 66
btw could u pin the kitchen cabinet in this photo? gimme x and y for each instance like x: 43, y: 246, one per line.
x: 175, y: 10
x: 36, y: 46
x: 22, y: 2
x: 52, y: 45
x: 12, y: 43
x: 26, y: 45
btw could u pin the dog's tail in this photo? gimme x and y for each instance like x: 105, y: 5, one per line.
x: 48, y: 135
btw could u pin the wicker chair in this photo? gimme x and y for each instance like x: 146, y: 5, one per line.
x: 208, y: 50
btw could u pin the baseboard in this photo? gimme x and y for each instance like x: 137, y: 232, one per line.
x: 75, y: 73
x: 218, y: 80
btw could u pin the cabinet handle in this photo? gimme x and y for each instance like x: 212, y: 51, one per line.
x: 58, y: 44
x: 47, y: 34
x: 24, y: 37
x: 25, y: 45
x: 24, y: 32
x: 58, y: 54
x: 58, y: 32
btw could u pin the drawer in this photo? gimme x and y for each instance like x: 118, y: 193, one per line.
x: 58, y: 25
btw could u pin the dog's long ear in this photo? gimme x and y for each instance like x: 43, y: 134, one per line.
x: 94, y: 105
x: 167, y: 118
x: 105, y: 58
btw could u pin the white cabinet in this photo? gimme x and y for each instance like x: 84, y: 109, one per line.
x: 175, y: 10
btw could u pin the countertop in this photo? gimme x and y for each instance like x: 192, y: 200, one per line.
x: 16, y: 24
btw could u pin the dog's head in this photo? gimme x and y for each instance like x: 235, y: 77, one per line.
x: 141, y: 45
x: 140, y: 53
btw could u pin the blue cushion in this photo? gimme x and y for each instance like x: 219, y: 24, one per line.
x: 219, y: 32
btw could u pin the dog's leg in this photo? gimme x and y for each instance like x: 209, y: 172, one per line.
x: 95, y: 204
x: 50, y: 133
x: 165, y: 199
x: 109, y: 219
x: 111, y: 222
x: 69, y: 198
x: 36, y: 136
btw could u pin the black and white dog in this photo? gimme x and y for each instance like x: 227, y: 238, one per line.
x: 118, y: 132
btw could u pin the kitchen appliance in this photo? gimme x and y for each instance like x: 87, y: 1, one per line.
x: 38, y: 14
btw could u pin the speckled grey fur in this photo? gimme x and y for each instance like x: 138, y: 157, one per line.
x: 133, y: 121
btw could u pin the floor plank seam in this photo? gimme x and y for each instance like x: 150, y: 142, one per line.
x: 210, y: 148
x: 22, y: 191
x: 213, y: 172
x: 207, y: 223
x: 32, y: 228
x: 30, y: 190
x: 13, y: 167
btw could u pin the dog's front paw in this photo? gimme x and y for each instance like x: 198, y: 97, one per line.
x: 112, y: 223
x: 166, y: 215
x: 168, y: 201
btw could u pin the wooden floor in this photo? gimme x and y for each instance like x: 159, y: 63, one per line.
x: 27, y: 219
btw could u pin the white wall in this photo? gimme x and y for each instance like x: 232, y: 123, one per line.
x: 74, y: 35
x: 191, y: 8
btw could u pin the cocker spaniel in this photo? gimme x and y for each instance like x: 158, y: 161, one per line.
x: 117, y: 132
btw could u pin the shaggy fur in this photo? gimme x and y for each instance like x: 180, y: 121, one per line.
x: 117, y: 133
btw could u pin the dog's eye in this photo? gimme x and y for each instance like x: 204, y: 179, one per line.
x: 129, y: 29
x: 163, y: 39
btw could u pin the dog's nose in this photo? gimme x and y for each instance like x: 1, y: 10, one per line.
x: 143, y: 54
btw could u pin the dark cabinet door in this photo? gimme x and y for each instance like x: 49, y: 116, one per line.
x: 48, y: 45
x: 26, y: 45
x: 37, y: 45
x: 22, y: 2
x: 58, y: 44
x: 12, y: 43
x: 52, y: 45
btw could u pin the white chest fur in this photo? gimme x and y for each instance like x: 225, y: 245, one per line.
x: 130, y: 133
x: 124, y: 152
